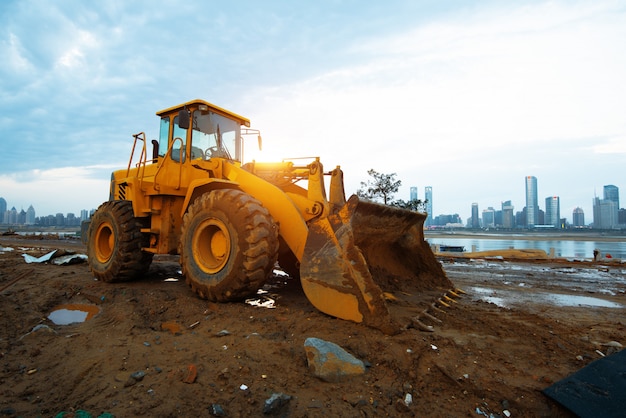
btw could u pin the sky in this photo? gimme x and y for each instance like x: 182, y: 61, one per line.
x: 468, y: 97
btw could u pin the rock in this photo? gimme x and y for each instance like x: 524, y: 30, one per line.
x: 172, y: 327
x: 614, y: 344
x: 401, y: 406
x: 216, y: 410
x: 330, y: 362
x: 191, y: 374
x: 40, y: 329
x: 274, y: 403
x: 139, y: 375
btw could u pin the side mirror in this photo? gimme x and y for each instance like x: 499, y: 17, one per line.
x: 183, y: 119
x: 155, y: 150
x: 260, y: 143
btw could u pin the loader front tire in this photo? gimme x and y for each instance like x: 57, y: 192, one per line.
x: 229, y: 244
x: 114, y: 244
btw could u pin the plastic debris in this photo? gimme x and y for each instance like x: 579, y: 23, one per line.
x: 30, y: 259
x: 275, y: 402
x: 69, y: 259
x: 267, y: 303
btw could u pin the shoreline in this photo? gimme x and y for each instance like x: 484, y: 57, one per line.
x: 529, y: 236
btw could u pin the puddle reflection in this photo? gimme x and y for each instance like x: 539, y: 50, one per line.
x: 72, y: 313
x: 505, y: 298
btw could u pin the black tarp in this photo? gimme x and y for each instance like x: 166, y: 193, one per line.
x: 597, y: 390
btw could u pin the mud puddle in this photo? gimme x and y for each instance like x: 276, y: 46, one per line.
x: 509, y: 298
x: 72, y: 313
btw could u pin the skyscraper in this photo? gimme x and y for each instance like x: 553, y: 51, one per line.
x: 489, y: 217
x: 532, y: 205
x: 3, y: 209
x: 413, y: 193
x: 475, y: 219
x: 428, y: 197
x: 611, y: 193
x: 553, y: 211
x: 604, y: 213
x: 30, y: 215
x: 508, y: 217
x: 578, y: 218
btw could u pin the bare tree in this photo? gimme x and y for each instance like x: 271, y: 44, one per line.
x: 381, y: 186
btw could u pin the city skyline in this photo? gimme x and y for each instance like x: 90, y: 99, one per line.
x: 552, y: 215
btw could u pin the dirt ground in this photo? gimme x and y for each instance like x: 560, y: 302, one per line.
x: 155, y: 349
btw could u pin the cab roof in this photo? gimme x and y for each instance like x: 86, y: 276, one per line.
x: 194, y: 104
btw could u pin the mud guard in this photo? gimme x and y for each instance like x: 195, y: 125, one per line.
x: 363, y: 250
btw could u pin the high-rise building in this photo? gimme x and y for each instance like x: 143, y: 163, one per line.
x: 3, y: 210
x: 428, y: 197
x: 413, y: 192
x: 508, y: 217
x: 604, y: 213
x: 578, y: 218
x: 553, y: 211
x: 611, y: 193
x: 475, y: 220
x: 11, y: 216
x: 489, y: 217
x: 30, y: 215
x: 532, y: 203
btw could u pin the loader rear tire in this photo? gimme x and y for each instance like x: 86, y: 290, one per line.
x: 115, y: 241
x: 229, y: 245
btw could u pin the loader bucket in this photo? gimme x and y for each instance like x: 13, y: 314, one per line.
x: 364, y: 254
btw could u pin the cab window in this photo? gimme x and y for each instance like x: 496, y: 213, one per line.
x: 164, y: 135
x: 179, y: 138
x: 214, y: 135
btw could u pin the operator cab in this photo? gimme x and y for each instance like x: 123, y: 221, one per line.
x: 199, y: 129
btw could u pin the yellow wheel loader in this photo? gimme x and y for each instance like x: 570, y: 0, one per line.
x: 231, y: 222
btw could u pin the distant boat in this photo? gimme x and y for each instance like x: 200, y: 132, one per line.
x: 452, y: 248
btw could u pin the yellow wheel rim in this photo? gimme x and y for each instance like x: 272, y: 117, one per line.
x: 104, y: 242
x: 211, y: 245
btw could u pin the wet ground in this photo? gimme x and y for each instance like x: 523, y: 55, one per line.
x: 517, y: 284
x: 155, y: 349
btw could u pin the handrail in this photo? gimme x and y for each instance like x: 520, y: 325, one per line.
x: 141, y: 136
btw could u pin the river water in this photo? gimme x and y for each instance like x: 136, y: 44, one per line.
x: 566, y: 248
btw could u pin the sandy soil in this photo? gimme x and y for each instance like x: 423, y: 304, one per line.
x: 482, y: 357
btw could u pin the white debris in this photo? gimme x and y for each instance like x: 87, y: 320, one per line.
x: 30, y: 259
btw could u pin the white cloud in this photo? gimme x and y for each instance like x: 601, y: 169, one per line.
x: 435, y: 101
x: 61, y: 189
x: 484, y: 94
x: 15, y: 58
